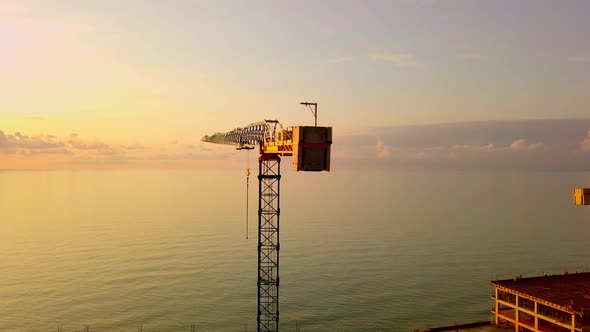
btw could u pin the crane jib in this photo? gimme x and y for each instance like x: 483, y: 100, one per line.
x: 309, y: 146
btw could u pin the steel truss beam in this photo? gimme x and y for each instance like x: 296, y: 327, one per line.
x: 262, y: 132
x: 269, y: 177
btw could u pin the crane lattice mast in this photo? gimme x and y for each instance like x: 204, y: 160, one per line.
x: 310, y: 149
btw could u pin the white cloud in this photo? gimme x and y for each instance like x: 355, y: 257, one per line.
x: 398, y: 59
x: 382, y: 151
x: 523, y: 144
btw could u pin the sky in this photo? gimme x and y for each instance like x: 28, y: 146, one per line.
x: 406, y: 84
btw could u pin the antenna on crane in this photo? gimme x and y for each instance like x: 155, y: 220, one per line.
x: 314, y: 110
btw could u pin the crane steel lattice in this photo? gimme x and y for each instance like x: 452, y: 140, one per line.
x: 310, y: 149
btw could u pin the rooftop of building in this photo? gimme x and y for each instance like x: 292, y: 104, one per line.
x: 563, y: 289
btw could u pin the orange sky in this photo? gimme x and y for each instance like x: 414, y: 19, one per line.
x: 134, y: 74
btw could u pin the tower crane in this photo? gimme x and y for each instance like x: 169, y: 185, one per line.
x: 309, y: 147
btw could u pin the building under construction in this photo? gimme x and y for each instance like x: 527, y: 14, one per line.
x: 552, y: 303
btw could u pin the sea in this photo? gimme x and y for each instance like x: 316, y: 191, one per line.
x: 360, y: 250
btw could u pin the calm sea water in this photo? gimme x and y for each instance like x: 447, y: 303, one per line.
x: 361, y: 251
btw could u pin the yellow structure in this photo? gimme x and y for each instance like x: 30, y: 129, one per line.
x: 582, y: 196
x: 543, y: 304
x: 309, y: 147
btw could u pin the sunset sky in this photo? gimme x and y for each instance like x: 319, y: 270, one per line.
x: 125, y: 84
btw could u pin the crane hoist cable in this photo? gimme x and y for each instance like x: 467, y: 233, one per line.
x: 247, y: 189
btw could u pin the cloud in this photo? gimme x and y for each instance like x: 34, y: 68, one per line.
x: 92, y: 147
x: 538, y: 145
x: 398, y: 59
x: 20, y: 141
x: 19, y: 151
x: 523, y: 144
x: 516, y: 145
x: 580, y: 59
x: 133, y: 146
x: 466, y: 147
x: 78, y: 144
x: 381, y: 150
x: 585, y: 144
